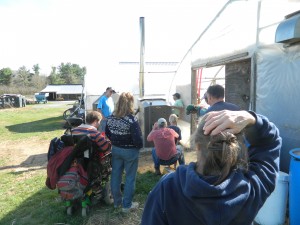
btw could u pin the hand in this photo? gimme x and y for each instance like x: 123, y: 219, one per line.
x: 230, y: 121
x: 155, y: 126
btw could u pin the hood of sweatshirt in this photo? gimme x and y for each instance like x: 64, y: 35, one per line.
x: 198, y: 199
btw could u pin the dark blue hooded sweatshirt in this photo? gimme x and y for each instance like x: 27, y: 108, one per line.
x: 185, y: 197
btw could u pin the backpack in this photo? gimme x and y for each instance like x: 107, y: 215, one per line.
x: 62, y: 158
x: 61, y: 161
x: 72, y: 184
x: 56, y: 144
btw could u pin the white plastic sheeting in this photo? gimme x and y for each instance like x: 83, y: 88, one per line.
x: 233, y: 31
x: 241, y: 26
x: 249, y: 27
x: 278, y: 94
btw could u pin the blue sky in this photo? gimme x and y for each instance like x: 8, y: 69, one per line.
x: 93, y: 32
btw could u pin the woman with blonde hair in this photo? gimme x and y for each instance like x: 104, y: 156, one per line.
x: 125, y: 134
x: 229, y: 183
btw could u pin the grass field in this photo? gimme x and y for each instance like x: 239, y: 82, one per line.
x: 25, y: 200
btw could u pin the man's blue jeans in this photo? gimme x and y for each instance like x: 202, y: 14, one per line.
x: 156, y: 160
x: 124, y: 159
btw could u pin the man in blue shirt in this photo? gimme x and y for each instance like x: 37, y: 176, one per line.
x: 215, y: 98
x: 106, y: 106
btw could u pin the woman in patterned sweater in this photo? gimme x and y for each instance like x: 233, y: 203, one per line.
x: 125, y: 134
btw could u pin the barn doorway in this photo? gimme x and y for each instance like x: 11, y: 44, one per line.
x: 235, y: 77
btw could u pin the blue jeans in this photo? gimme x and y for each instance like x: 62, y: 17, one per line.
x: 124, y: 159
x: 156, y: 160
x: 102, y: 126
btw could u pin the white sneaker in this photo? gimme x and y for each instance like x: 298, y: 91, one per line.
x: 133, y: 206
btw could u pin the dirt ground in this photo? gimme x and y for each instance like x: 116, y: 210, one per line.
x: 32, y: 155
x: 22, y: 156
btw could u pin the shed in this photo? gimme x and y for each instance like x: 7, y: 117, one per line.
x: 63, y: 91
x: 257, y: 45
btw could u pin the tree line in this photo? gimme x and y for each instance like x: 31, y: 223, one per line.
x: 25, y: 82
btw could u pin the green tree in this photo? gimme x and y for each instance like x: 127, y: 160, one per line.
x: 22, y: 77
x: 5, y: 76
x: 53, y: 71
x: 38, y: 82
x: 36, y: 68
x: 71, y: 73
x: 54, y: 78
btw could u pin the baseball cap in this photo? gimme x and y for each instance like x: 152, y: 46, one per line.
x: 111, y: 89
x: 161, y: 121
x: 191, y: 109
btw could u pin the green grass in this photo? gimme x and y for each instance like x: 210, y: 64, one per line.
x: 25, y: 200
x: 22, y: 123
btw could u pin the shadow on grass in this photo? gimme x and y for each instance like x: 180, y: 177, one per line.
x: 45, y: 125
x: 44, y: 207
x: 33, y: 162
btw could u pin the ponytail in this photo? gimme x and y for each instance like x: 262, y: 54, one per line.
x: 221, y: 153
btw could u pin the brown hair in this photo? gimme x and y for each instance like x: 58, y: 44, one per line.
x: 221, y: 153
x: 216, y: 91
x: 93, y: 116
x: 124, y: 105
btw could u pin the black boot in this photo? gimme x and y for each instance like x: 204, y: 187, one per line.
x: 157, y: 171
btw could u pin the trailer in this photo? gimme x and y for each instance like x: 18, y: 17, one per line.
x: 41, y: 97
x: 12, y: 100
